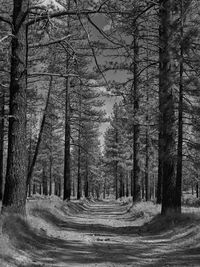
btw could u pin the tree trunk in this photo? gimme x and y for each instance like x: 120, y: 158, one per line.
x: 154, y: 188
x: 73, y: 189
x: 160, y: 134
x: 147, y: 182
x: 121, y: 189
x: 67, y: 157
x: 50, y: 173
x: 136, y: 127
x: 167, y: 110
x: 147, y: 167
x: 79, y: 185
x: 29, y: 161
x: 132, y: 183
x: 192, y: 188
x: 143, y: 188
x: 180, y: 125
x: 32, y: 163
x: 79, y: 171
x: 40, y: 188
x: 34, y: 188
x: 197, y: 190
x: 86, y: 180
x: 44, y: 182
x: 127, y: 189
x: 14, y: 199
x: 59, y: 189
x: 116, y: 180
x: 29, y: 189
x: 2, y: 111
x: 160, y: 172
x: 55, y: 188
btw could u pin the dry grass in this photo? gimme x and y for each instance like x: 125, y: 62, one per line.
x: 50, y: 221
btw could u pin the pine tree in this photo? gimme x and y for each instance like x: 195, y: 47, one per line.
x: 168, y: 108
x: 15, y: 185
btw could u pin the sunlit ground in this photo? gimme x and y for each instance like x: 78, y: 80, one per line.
x: 103, y: 233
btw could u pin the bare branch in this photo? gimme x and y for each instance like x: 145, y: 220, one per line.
x: 6, y: 19
x: 52, y: 74
x: 93, y: 52
x: 49, y: 43
x: 73, y: 13
x: 6, y: 37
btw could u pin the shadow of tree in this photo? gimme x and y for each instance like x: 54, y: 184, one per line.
x: 148, y: 245
x: 73, y: 225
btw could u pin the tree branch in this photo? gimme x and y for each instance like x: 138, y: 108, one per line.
x: 73, y: 13
x: 50, y: 43
x: 52, y: 74
x: 6, y: 20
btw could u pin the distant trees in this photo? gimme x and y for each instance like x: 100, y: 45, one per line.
x: 117, y: 151
x: 162, y: 66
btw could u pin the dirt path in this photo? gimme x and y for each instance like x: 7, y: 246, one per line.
x: 104, y: 234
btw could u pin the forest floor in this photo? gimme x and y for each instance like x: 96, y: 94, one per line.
x: 101, y: 233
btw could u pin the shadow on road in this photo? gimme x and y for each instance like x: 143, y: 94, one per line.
x: 102, y: 244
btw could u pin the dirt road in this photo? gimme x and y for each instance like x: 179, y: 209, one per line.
x: 105, y: 234
x: 101, y: 234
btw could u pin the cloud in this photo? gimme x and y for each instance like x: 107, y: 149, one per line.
x: 108, y: 26
x: 51, y: 3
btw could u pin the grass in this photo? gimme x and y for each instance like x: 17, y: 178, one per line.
x: 19, y: 237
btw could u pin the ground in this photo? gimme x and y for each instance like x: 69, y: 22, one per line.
x: 99, y: 233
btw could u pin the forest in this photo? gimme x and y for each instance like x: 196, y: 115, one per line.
x: 99, y: 106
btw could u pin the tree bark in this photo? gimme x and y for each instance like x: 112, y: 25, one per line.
x: 192, y: 186
x: 59, y: 189
x: 86, y: 180
x: 160, y: 134
x: 32, y: 163
x: 40, y: 188
x: 79, y: 184
x: 44, y: 182
x: 197, y: 190
x: 167, y: 109
x: 136, y: 127
x: 67, y: 156
x: 127, y: 188
x: 147, y: 167
x: 2, y: 111
x: 121, y: 189
x: 180, y: 124
x: 143, y: 187
x: 147, y: 180
x: 132, y: 182
x: 50, y: 173
x: 34, y: 188
x: 116, y: 179
x: 79, y: 171
x: 14, y: 199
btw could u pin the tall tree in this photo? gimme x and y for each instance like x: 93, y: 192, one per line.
x: 178, y: 192
x: 168, y: 107
x: 2, y: 113
x: 14, y: 199
x: 136, y: 127
x: 67, y: 155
